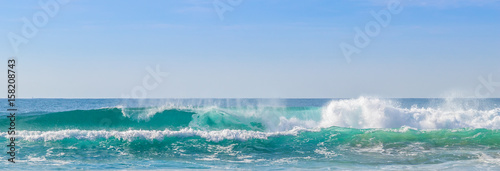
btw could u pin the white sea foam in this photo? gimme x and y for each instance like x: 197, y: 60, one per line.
x: 378, y: 113
x: 150, y: 134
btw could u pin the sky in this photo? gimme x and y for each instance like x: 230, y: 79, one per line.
x: 252, y: 48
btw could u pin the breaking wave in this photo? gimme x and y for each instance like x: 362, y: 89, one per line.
x: 353, y: 113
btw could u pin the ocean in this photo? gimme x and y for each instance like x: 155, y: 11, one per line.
x: 364, y: 133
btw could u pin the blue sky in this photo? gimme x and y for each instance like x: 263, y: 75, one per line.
x: 261, y: 48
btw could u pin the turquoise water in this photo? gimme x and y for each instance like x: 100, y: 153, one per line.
x: 363, y: 133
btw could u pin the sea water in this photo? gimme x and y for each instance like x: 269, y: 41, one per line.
x: 360, y: 133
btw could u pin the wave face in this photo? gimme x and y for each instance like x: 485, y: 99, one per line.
x: 159, y: 118
x: 108, y: 118
x: 362, y: 133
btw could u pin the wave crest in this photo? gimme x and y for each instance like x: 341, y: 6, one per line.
x: 361, y: 113
x: 130, y: 135
x: 378, y: 113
